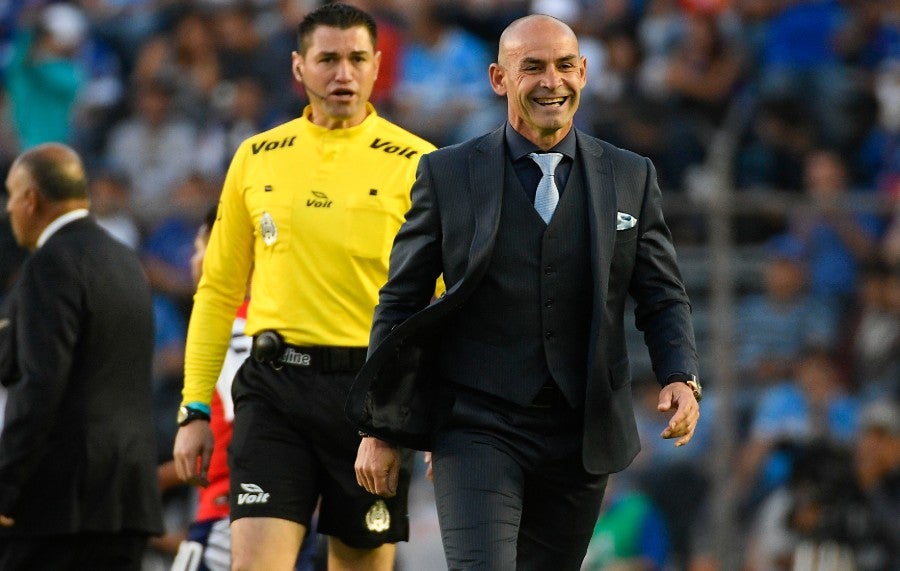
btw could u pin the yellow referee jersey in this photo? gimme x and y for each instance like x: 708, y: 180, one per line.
x: 312, y: 213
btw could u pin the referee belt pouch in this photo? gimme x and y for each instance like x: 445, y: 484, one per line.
x: 269, y: 347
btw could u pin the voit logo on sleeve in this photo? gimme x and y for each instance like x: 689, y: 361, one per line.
x: 252, y: 494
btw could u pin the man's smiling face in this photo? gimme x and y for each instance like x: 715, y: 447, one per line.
x: 541, y: 74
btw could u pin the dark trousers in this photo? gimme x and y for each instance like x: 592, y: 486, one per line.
x: 510, y: 486
x: 73, y: 552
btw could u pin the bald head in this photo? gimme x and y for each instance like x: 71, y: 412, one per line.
x: 43, y: 183
x: 520, y: 32
x: 541, y: 73
x: 56, y: 170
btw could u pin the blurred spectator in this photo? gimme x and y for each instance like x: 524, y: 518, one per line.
x: 243, y: 51
x: 801, y: 522
x: 42, y: 78
x: 879, y: 155
x: 702, y: 74
x: 836, y: 239
x: 168, y: 248
x: 631, y: 533
x: 815, y: 407
x: 774, y: 326
x: 110, y: 205
x: 186, y: 59
x: 877, y: 467
x: 660, y: 28
x: 155, y: 148
x: 890, y: 246
x: 613, y: 83
x: 771, y: 155
x: 870, y: 35
x: 839, y: 510
x: 125, y: 24
x: 799, y: 56
x: 441, y: 82
x: 242, y: 113
x: 873, y: 333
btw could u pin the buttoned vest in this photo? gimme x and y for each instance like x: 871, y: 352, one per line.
x: 528, y: 320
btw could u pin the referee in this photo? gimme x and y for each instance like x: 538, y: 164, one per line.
x: 308, y: 213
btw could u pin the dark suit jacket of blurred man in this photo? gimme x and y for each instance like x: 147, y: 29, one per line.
x: 77, y: 454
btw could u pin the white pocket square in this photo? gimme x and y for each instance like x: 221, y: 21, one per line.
x: 625, y: 221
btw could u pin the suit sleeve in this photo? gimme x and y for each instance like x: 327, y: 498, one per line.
x: 48, y: 326
x: 663, y: 311
x: 415, y: 261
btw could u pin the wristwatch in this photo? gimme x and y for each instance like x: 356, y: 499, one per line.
x: 691, y: 381
x: 187, y: 415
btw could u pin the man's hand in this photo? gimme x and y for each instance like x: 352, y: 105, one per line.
x: 377, y: 466
x: 193, y: 449
x: 678, y: 396
x: 6, y: 521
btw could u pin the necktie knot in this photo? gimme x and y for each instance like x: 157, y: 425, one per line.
x: 547, y: 162
x: 547, y: 194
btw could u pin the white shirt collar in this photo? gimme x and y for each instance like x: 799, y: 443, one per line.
x: 51, y: 228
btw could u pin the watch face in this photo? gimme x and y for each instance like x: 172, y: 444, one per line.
x: 182, y: 414
x: 696, y: 388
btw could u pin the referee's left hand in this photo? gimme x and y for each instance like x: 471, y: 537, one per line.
x: 377, y: 466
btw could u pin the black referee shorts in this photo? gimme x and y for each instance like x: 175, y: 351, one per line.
x: 292, y: 447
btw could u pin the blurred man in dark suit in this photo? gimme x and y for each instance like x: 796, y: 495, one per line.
x: 77, y: 457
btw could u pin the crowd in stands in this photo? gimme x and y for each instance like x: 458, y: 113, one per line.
x: 156, y: 95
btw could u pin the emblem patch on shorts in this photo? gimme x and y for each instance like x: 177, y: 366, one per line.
x: 267, y: 229
x: 378, y: 518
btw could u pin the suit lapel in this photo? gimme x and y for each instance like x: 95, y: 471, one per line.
x: 486, y: 167
x: 601, y: 200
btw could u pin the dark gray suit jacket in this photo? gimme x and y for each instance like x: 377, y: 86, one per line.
x: 451, y: 229
x: 77, y: 452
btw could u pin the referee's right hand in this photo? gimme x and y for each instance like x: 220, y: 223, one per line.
x: 193, y: 449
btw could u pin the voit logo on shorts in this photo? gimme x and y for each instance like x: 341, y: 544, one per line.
x: 253, y: 494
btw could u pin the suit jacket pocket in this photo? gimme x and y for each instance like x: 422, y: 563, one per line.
x: 626, y: 235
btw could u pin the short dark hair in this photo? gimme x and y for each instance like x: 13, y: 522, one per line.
x: 334, y: 15
x: 53, y: 174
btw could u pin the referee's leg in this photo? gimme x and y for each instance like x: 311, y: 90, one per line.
x: 265, y: 543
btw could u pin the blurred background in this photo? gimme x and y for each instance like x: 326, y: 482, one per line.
x: 775, y: 129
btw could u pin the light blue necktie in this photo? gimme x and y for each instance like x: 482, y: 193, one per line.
x: 547, y: 195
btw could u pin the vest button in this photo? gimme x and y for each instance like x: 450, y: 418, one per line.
x: 549, y: 302
x: 549, y: 334
x: 548, y: 270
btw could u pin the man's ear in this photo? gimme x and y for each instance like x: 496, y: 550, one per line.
x: 296, y: 67
x: 497, y: 75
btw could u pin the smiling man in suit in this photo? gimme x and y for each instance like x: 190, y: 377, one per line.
x: 518, y: 378
x: 77, y: 455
